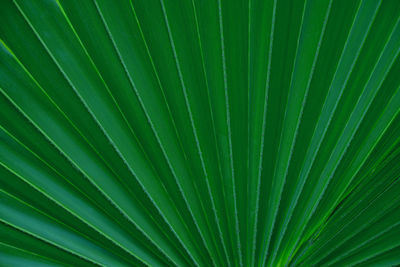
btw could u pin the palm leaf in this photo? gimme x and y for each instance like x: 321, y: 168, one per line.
x: 200, y: 133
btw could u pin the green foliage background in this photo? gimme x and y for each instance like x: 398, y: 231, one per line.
x: 199, y: 133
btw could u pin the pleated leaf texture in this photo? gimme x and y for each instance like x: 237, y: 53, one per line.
x: 199, y: 133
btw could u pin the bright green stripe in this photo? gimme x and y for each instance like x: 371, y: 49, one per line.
x: 27, y: 219
x: 11, y: 256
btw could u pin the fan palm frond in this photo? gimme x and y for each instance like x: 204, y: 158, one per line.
x: 200, y: 133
